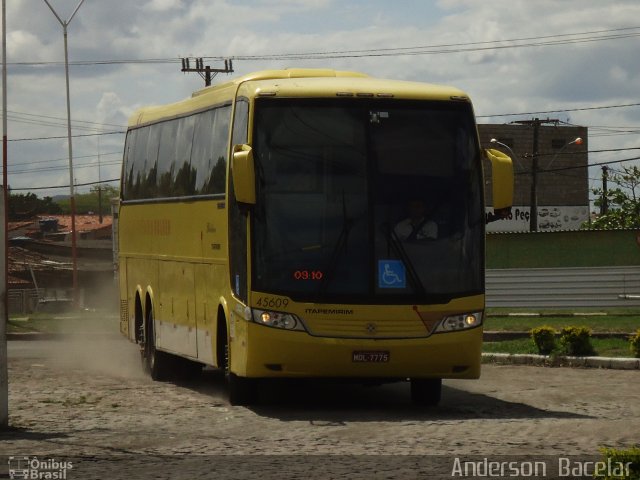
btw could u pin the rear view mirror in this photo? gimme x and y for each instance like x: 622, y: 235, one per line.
x: 502, y: 177
x: 243, y: 172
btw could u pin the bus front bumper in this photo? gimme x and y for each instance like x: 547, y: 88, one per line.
x: 271, y: 352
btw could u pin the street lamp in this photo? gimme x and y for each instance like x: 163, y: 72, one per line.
x: 575, y: 141
x: 72, y: 198
x: 504, y: 145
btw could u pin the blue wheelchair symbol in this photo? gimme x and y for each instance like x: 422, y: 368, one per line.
x: 391, y: 274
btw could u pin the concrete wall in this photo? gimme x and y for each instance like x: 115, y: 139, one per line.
x: 584, y: 248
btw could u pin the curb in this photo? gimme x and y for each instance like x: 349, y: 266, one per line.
x: 35, y: 336
x: 562, y: 361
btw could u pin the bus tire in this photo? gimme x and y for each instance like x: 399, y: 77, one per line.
x: 157, y: 364
x: 241, y: 390
x: 426, y: 391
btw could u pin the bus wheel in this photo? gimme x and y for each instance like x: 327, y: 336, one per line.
x: 157, y: 364
x: 426, y: 391
x: 242, y: 390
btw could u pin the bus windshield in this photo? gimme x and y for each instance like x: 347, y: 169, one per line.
x: 367, y: 200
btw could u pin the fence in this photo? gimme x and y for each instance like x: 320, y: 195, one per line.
x: 564, y: 287
x: 50, y: 300
x: 23, y: 301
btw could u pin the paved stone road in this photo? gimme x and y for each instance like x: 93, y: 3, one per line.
x: 88, y: 402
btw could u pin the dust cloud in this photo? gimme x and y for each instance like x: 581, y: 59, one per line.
x: 90, y: 339
x: 97, y: 346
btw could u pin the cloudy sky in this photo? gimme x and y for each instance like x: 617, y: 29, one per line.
x: 567, y: 57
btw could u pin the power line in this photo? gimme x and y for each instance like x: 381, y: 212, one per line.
x: 447, y: 48
x: 547, y: 40
x: 99, y: 62
x: 562, y: 110
x: 582, y: 152
x: 575, y: 167
x: 64, y: 186
x: 62, y: 119
x: 53, y: 169
x: 612, y: 150
x: 399, y: 49
x: 21, y: 164
x: 614, y: 128
x: 59, y: 137
x: 48, y: 121
x: 612, y: 134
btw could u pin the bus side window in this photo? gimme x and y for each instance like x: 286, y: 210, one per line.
x: 139, y: 163
x: 127, y: 173
x: 240, y: 122
x: 218, y: 174
x: 166, y: 157
x: 184, y: 178
x: 148, y: 186
x: 202, y: 152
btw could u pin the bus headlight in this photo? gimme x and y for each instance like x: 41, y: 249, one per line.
x: 459, y: 322
x: 286, y: 321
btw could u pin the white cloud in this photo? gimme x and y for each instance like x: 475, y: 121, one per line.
x: 21, y: 43
x: 111, y: 110
x: 162, y: 5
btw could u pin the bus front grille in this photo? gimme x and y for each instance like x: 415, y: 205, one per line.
x: 352, y: 328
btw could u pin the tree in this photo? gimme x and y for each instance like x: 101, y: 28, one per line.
x: 623, y: 201
x: 88, y: 202
x: 23, y: 206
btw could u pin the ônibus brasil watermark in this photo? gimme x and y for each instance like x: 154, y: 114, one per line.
x: 35, y: 468
x: 563, y: 467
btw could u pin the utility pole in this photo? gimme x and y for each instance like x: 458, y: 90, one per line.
x: 99, y: 185
x: 535, y: 123
x: 206, y: 72
x: 72, y: 195
x: 4, y: 263
x: 604, y: 206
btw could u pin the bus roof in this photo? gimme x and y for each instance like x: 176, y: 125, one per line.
x: 303, y: 83
x: 266, y: 75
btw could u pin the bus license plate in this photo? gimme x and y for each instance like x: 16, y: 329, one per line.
x: 371, y: 357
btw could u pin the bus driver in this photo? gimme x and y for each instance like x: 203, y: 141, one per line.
x: 417, y: 226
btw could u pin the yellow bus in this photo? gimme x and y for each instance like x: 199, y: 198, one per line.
x: 308, y: 224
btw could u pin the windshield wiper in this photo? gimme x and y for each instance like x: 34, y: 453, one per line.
x: 339, y: 247
x: 396, y: 244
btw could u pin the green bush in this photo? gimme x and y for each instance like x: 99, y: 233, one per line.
x: 576, y: 341
x: 632, y: 456
x: 634, y: 343
x: 544, y: 338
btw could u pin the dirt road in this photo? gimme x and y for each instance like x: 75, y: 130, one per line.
x: 88, y: 401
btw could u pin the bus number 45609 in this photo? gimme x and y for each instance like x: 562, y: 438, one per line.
x: 272, y: 302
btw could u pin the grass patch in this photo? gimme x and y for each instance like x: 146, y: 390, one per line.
x: 604, y: 347
x: 606, y: 323
x: 83, y: 322
x: 521, y: 345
